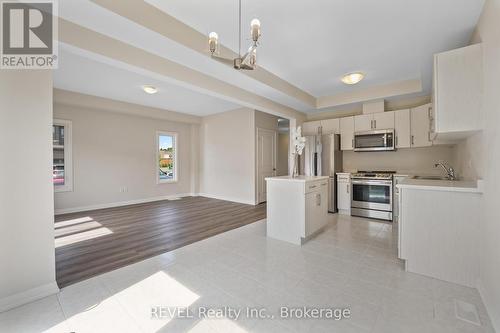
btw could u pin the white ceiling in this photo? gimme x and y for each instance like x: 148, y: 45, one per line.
x: 312, y: 43
x: 81, y: 74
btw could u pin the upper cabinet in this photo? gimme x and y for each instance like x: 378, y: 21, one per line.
x: 402, y: 128
x: 363, y: 122
x: 383, y: 120
x: 310, y: 127
x: 347, y: 133
x: 374, y: 121
x: 330, y: 126
x: 420, y: 126
x: 412, y: 127
x: 457, y: 93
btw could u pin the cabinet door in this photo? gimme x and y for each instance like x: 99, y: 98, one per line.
x: 347, y: 133
x: 383, y: 120
x: 363, y: 122
x: 344, y: 195
x: 330, y: 126
x: 402, y: 128
x: 420, y: 126
x: 310, y: 127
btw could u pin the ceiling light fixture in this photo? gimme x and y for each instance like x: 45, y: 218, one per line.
x: 249, y: 60
x: 353, y: 78
x: 148, y: 89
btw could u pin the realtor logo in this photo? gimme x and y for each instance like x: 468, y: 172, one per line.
x: 29, y: 31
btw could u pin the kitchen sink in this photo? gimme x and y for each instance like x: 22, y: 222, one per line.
x: 430, y: 177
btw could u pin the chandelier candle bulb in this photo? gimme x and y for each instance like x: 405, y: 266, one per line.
x: 213, y: 41
x: 255, y: 29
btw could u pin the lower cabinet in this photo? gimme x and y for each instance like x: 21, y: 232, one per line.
x: 344, y: 193
x: 296, y: 207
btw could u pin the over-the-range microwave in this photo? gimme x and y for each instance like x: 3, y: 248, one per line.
x: 379, y: 140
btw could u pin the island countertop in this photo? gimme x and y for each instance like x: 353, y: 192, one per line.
x: 302, y: 179
x: 442, y: 185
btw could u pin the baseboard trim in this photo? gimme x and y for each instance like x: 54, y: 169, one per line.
x: 120, y: 203
x: 492, y: 310
x: 220, y: 197
x: 28, y: 296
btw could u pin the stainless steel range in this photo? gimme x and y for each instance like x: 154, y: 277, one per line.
x: 372, y: 194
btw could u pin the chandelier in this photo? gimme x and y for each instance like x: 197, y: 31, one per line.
x: 249, y: 60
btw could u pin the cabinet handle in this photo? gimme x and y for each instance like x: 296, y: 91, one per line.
x: 375, y: 123
x: 347, y: 185
x: 396, y: 141
x: 352, y: 143
x: 429, y: 136
x: 318, y: 199
x: 429, y: 112
x: 412, y: 140
x: 312, y: 186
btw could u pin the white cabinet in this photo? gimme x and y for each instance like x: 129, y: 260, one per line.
x: 330, y: 126
x: 383, y: 120
x: 395, y: 202
x: 363, y: 122
x: 438, y: 231
x: 374, y: 121
x: 402, y: 128
x: 310, y: 127
x: 296, y: 207
x: 420, y: 126
x: 344, y: 193
x: 347, y: 133
x: 457, y: 93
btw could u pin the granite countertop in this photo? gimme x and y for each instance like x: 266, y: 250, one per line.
x: 442, y: 185
x: 297, y: 179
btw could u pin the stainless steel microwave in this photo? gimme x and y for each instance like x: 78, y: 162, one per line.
x: 379, y: 140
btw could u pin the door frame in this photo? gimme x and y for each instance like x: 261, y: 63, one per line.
x: 257, y: 151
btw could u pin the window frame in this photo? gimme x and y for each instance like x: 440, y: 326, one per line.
x: 174, y: 135
x: 68, y: 155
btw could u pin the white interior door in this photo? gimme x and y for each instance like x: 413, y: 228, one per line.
x: 266, y: 160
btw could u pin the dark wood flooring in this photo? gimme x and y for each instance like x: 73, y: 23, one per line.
x: 95, y: 242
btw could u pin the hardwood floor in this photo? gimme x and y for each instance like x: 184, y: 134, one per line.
x: 95, y: 242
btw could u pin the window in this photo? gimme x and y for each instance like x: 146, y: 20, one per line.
x: 61, y: 165
x: 166, y: 157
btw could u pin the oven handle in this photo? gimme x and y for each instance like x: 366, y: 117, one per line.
x: 372, y: 182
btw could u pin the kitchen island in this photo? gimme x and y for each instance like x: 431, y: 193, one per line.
x: 297, y: 208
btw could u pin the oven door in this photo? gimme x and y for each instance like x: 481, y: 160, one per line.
x: 372, y: 194
x: 374, y: 140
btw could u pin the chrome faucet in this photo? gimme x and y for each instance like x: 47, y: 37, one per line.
x: 450, y: 172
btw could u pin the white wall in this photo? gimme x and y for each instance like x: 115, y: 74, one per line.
x: 27, y: 262
x: 227, y: 156
x: 283, y: 151
x: 112, y: 150
x: 488, y: 31
x: 408, y: 160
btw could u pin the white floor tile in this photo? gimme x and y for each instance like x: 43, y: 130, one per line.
x: 352, y: 264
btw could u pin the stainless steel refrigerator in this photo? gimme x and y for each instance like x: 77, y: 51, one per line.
x: 322, y: 157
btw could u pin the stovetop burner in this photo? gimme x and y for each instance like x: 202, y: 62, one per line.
x: 374, y: 174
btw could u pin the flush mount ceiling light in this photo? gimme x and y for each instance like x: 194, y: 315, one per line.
x: 148, y: 89
x: 353, y: 78
x: 249, y: 60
